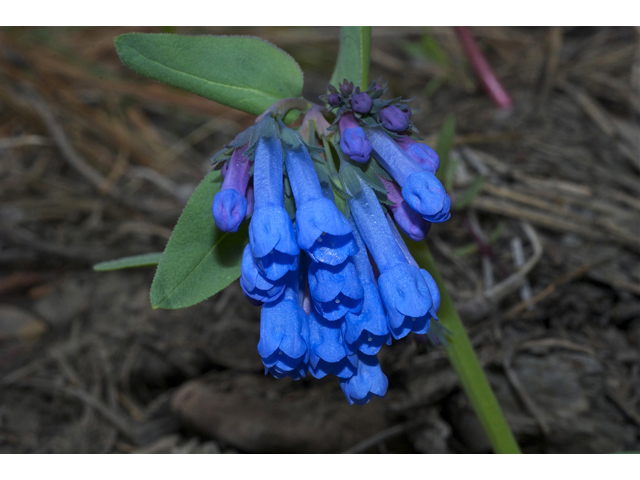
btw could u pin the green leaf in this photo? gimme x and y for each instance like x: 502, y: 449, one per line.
x: 443, y: 148
x: 246, y: 73
x: 353, y: 56
x: 145, y: 260
x: 199, y: 260
x: 465, y: 362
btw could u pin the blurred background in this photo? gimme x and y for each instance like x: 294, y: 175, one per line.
x: 541, y: 253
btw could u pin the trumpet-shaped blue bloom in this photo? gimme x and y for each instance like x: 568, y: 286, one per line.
x: 367, y: 382
x: 335, y: 289
x: 407, y: 299
x: 421, y: 189
x: 271, y: 234
x: 327, y: 352
x: 253, y: 282
x: 284, y: 332
x: 367, y: 330
x: 404, y: 293
x: 323, y: 231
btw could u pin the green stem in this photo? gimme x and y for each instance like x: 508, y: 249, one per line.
x: 465, y: 362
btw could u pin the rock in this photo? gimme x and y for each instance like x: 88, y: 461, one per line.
x: 305, y: 420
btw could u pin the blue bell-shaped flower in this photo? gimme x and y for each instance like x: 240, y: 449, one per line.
x: 367, y: 381
x: 335, y: 289
x: 327, y: 352
x: 284, y: 332
x: 271, y: 234
x: 323, y: 231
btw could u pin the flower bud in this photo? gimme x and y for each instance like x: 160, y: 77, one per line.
x: 361, y: 102
x: 355, y: 145
x: 334, y: 99
x: 353, y: 140
x: 394, y: 119
x: 346, y: 87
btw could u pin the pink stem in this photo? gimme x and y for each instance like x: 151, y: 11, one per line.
x: 483, y: 70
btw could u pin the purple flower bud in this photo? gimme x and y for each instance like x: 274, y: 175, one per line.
x: 346, y: 87
x: 420, y: 153
x: 229, y: 205
x: 334, y: 99
x: 353, y: 140
x: 361, y: 102
x: 394, y: 119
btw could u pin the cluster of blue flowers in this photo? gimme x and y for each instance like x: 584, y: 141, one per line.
x: 316, y: 224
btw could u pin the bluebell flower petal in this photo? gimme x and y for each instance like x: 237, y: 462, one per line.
x: 323, y: 232
x: 367, y: 330
x: 327, y: 350
x: 229, y: 208
x: 283, y: 328
x: 253, y: 282
x: 335, y: 289
x: 316, y: 216
x: 367, y: 382
x: 426, y: 195
x: 273, y: 242
x: 408, y: 325
x: 433, y: 291
x: 404, y: 293
x: 355, y: 145
x: 282, y: 362
x: 425, y: 156
x: 391, y: 156
x: 296, y: 374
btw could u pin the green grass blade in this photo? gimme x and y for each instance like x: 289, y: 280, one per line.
x: 145, y: 260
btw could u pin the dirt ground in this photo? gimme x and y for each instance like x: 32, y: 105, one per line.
x: 97, y: 162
